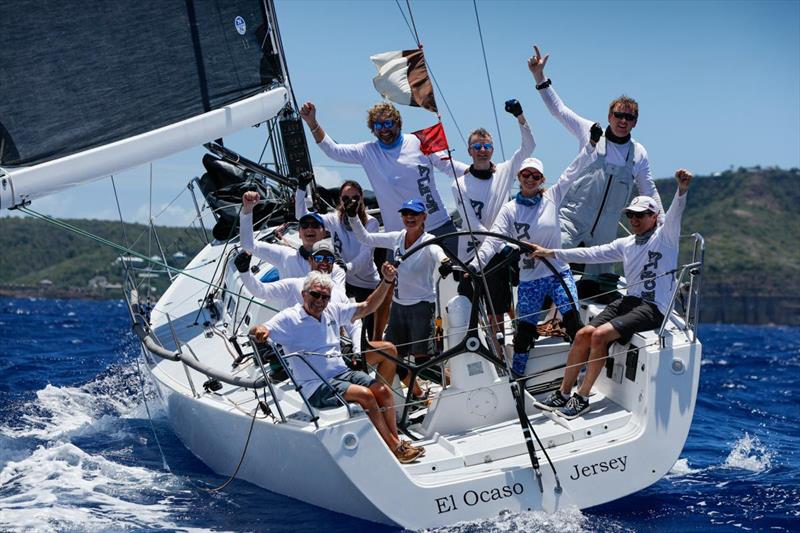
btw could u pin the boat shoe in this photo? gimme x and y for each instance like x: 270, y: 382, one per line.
x: 554, y: 401
x: 406, y: 454
x: 576, y: 406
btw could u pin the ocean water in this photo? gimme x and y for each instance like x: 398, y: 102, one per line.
x: 78, y: 451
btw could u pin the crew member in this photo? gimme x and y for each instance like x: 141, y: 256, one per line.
x: 309, y: 334
x: 648, y: 257
x: 590, y: 210
x: 394, y: 165
x: 533, y: 216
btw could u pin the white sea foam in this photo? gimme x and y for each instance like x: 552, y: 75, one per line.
x: 60, y: 413
x: 62, y: 488
x: 682, y: 468
x: 563, y: 521
x: 749, y: 454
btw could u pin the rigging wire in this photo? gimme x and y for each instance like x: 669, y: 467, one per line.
x: 489, y: 80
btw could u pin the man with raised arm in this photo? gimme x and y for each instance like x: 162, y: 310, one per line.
x: 290, y: 262
x: 649, y: 256
x: 287, y: 292
x: 309, y: 334
x: 590, y: 212
x: 480, y: 192
x: 395, y: 166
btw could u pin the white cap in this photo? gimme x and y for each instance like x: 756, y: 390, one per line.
x: 640, y: 204
x: 532, y: 163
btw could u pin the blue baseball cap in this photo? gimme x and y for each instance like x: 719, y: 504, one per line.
x: 314, y: 216
x: 414, y: 205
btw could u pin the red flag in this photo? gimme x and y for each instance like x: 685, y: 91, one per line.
x: 432, y: 139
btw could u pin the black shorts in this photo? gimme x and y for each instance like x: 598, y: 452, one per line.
x: 629, y: 315
x: 499, y: 284
x: 411, y: 328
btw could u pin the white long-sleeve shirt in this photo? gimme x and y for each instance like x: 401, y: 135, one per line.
x: 485, y: 197
x: 397, y: 175
x: 645, y: 265
x: 414, y: 282
x: 285, y: 293
x: 288, y: 261
x: 361, y: 270
x: 537, y: 224
x: 616, y: 153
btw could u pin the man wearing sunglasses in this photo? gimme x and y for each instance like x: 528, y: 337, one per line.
x: 311, y: 329
x: 288, y: 292
x: 590, y: 212
x: 649, y: 257
x: 480, y: 192
x: 290, y: 262
x: 395, y: 166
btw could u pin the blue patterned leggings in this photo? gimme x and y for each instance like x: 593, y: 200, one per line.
x: 531, y: 294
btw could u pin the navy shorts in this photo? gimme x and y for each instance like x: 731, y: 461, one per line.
x: 325, y: 396
x: 411, y: 328
x: 629, y: 315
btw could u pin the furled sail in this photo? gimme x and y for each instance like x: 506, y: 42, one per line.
x: 90, y: 89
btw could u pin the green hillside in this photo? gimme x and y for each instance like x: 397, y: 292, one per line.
x: 35, y: 250
x: 746, y: 216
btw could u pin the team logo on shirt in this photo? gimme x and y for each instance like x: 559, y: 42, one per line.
x: 523, y: 230
x: 648, y: 276
x: 478, y: 207
x: 424, y: 186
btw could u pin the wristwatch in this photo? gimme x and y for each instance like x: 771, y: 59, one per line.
x: 544, y: 85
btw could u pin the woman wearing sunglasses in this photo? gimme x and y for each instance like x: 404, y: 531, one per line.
x: 411, y: 319
x: 591, y: 208
x: 362, y: 275
x: 532, y: 216
x: 395, y: 166
x: 290, y: 262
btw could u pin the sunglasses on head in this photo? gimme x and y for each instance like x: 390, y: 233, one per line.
x: 323, y: 258
x: 355, y: 198
x: 310, y: 224
x: 477, y: 146
x: 630, y: 117
x: 319, y: 295
x: 378, y: 125
x: 632, y: 214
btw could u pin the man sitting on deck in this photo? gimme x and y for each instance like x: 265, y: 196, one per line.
x: 311, y: 330
x: 287, y: 292
x: 648, y: 258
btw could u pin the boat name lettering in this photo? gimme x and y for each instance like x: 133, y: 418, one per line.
x: 471, y: 498
x: 618, y: 463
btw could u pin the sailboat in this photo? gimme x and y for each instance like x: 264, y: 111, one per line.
x: 114, y: 89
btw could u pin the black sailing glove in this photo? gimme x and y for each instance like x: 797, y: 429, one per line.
x: 446, y: 268
x: 514, y: 107
x: 242, y: 261
x: 304, y: 179
x: 595, y: 132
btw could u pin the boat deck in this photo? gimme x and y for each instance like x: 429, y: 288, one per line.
x: 494, y: 446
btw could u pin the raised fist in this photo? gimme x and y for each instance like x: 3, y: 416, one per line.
x: 304, y: 179
x: 595, y: 132
x: 242, y: 262
x: 514, y: 107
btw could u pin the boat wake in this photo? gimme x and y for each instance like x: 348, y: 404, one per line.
x: 64, y: 458
x: 565, y: 521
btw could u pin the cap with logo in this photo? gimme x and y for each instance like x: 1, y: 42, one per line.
x: 640, y: 204
x: 414, y: 205
x: 313, y: 216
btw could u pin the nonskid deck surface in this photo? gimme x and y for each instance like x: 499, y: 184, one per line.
x: 503, y: 445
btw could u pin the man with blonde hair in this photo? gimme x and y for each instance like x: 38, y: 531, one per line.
x: 395, y: 166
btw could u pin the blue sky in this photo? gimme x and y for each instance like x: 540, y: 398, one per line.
x: 718, y: 84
